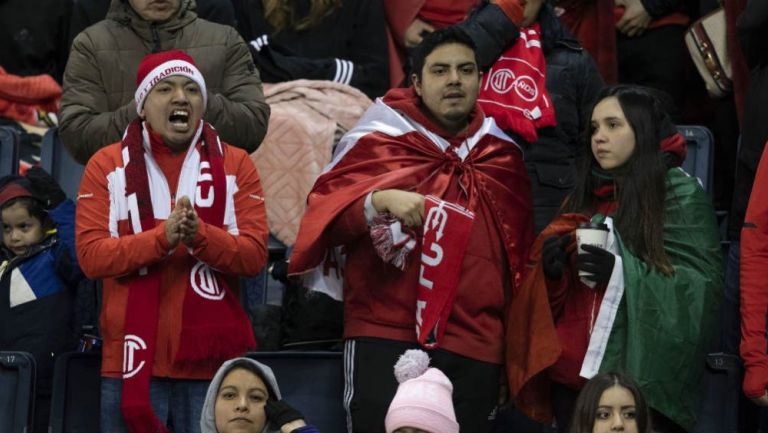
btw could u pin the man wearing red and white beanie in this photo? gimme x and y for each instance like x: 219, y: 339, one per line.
x: 169, y: 217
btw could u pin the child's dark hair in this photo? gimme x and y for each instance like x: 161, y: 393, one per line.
x: 34, y: 207
x: 448, y: 35
x: 585, y: 411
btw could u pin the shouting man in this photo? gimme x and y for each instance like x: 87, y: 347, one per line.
x: 168, y: 218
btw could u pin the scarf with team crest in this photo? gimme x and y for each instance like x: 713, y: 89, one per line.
x: 514, y: 90
x: 214, y: 326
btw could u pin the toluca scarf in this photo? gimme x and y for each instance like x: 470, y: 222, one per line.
x: 214, y: 326
x: 514, y: 91
x: 446, y: 234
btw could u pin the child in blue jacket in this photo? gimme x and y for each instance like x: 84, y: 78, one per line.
x: 39, y: 275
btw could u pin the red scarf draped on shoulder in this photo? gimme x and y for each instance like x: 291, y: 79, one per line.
x: 214, y: 326
x: 514, y: 90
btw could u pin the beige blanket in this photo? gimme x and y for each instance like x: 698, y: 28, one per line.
x: 307, y: 118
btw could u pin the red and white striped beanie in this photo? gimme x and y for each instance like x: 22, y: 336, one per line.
x: 158, y: 66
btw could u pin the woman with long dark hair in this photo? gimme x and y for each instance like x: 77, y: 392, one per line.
x: 611, y: 402
x: 644, y: 302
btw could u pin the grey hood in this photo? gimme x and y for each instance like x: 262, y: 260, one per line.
x: 207, y: 420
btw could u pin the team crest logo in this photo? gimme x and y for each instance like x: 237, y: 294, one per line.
x: 501, y: 80
x: 132, y: 344
x: 204, y: 282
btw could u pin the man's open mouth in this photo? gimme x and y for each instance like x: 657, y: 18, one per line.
x: 179, y: 118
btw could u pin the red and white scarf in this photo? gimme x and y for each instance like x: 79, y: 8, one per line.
x: 447, y: 228
x: 214, y: 325
x: 514, y: 90
x: 392, y: 241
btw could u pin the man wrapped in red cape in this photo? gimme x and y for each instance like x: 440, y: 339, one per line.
x: 410, y: 144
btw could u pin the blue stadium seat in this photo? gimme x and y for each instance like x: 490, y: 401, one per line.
x: 312, y: 382
x: 9, y: 151
x: 718, y: 410
x: 17, y: 392
x: 55, y: 159
x: 76, y: 394
x: 699, y: 161
x: 261, y: 297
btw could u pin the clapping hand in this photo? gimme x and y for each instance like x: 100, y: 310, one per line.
x: 182, y: 224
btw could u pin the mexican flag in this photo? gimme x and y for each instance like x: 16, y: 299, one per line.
x: 655, y: 327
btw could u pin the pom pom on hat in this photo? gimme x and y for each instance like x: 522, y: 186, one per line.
x: 424, y: 399
x: 157, y: 66
x: 412, y: 364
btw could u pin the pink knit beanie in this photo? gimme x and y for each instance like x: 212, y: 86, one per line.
x: 424, y: 399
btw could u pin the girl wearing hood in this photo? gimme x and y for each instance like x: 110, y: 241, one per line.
x: 244, y: 398
x: 644, y: 302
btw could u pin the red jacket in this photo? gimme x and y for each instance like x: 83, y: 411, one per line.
x: 106, y: 251
x: 754, y: 285
x: 388, y: 149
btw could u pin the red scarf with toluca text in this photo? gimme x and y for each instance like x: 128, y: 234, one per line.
x: 214, y: 326
x: 446, y: 234
x: 514, y: 90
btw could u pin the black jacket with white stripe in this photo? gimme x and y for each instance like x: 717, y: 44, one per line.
x: 348, y: 46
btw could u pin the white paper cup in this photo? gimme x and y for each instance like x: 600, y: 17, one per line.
x: 591, y: 234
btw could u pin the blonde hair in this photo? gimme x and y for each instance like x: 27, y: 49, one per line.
x: 281, y: 14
